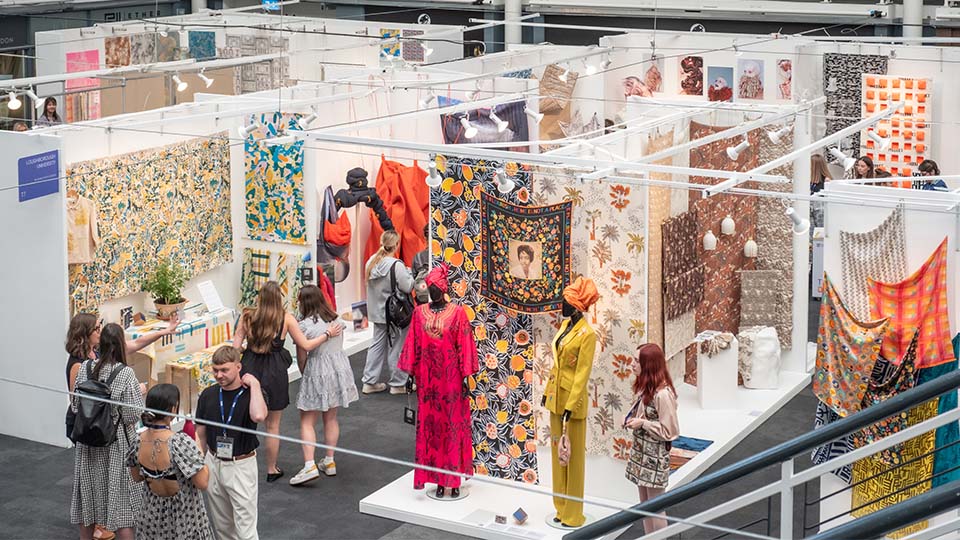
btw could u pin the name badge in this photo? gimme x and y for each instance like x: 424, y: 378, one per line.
x: 225, y: 447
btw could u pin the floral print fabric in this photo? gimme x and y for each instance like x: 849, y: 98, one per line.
x: 545, y: 230
x: 609, y: 245
x: 918, y: 302
x: 758, y: 298
x: 274, y: 182
x: 171, y: 202
x: 682, y: 271
x: 847, y: 350
x: 501, y: 392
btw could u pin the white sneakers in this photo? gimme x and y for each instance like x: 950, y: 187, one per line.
x: 329, y: 467
x: 398, y: 389
x: 308, y: 473
x: 374, y: 388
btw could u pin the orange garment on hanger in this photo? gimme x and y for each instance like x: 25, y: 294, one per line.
x: 406, y: 198
x: 338, y: 233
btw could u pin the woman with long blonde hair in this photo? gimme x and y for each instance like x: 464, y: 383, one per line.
x: 386, y: 275
x: 265, y: 330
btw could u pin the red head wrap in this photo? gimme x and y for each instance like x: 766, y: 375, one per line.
x: 438, y: 277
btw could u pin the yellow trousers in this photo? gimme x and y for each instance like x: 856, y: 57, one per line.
x: 569, y: 480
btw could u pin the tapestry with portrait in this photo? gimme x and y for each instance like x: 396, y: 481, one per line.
x: 609, y: 244
x: 525, y: 253
x: 501, y: 400
x: 274, y: 182
x: 168, y: 203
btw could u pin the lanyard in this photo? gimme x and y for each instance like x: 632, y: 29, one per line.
x: 226, y: 420
x: 156, y: 426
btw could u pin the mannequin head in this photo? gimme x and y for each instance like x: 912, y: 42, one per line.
x: 436, y: 294
x: 567, y: 309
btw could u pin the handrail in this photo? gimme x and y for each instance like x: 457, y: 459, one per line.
x: 772, y: 456
x: 879, y: 523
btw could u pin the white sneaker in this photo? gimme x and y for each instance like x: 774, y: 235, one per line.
x: 330, y: 468
x: 398, y: 389
x: 306, y: 474
x: 374, y: 388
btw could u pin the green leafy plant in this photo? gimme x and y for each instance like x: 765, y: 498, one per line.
x: 165, y: 283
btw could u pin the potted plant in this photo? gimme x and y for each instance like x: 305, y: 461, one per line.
x: 164, y: 285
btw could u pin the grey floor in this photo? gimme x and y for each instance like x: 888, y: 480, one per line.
x: 36, y: 483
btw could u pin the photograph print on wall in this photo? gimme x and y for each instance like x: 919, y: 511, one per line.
x: 750, y: 79
x: 720, y: 79
x: 691, y: 76
x: 785, y: 79
x: 653, y: 73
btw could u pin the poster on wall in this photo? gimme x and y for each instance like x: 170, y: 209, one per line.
x: 653, y: 73
x: 82, y: 105
x: 117, y: 51
x: 720, y: 79
x: 525, y: 254
x: 482, y: 129
x: 749, y: 79
x: 412, y: 48
x: 391, y: 42
x: 691, y: 76
x: 202, y: 45
x: 785, y: 79
x: 143, y: 48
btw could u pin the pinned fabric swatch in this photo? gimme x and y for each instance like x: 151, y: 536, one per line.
x: 916, y: 303
x: 758, y: 297
x: 847, y: 350
x: 879, y: 254
x: 904, y: 378
x: 254, y: 273
x: 682, y: 270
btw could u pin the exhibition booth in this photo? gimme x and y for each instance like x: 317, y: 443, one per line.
x: 670, y: 168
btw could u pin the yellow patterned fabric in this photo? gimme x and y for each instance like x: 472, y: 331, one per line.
x: 877, y: 493
x: 164, y: 203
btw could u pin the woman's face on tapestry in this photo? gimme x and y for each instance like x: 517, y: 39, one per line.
x: 524, y: 259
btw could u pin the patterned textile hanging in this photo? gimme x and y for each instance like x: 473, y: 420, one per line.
x: 879, y: 254
x: 917, y: 303
x: 947, y: 458
x: 847, y: 350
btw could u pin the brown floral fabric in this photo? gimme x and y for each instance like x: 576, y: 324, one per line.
x: 682, y: 272
x: 758, y: 298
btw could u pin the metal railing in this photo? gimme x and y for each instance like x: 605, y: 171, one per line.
x: 783, y: 455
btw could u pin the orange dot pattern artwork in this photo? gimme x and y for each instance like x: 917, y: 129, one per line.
x: 908, y: 130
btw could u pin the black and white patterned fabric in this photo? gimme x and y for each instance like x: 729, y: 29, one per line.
x: 878, y: 254
x: 327, y: 381
x: 649, y: 463
x: 844, y: 103
x: 104, y: 493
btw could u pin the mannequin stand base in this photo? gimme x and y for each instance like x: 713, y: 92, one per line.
x: 562, y: 527
x: 432, y: 493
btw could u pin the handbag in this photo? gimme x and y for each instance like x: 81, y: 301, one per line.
x: 399, y: 307
x: 563, y: 448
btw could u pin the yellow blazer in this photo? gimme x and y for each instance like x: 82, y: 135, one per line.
x: 572, y: 362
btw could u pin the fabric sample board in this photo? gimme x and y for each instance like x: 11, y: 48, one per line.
x: 171, y: 202
x: 542, y: 230
x: 501, y: 394
x: 202, y: 45
x: 274, y: 182
x: 758, y: 298
x: 919, y: 301
x: 117, y: 51
x: 608, y: 244
x: 143, y: 48
x: 879, y: 254
x: 847, y: 350
x: 844, y: 95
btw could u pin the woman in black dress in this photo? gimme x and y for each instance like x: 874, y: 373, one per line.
x: 265, y: 329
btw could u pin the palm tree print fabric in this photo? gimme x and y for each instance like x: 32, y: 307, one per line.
x: 274, y: 182
x: 171, y: 202
x: 545, y: 230
x: 609, y: 245
x: 501, y: 393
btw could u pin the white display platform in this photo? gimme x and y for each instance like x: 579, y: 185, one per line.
x: 605, y: 481
x: 354, y: 341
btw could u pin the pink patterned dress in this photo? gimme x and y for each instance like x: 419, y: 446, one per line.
x: 440, y: 351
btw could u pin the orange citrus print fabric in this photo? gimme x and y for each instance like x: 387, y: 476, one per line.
x: 916, y: 303
x: 847, y: 349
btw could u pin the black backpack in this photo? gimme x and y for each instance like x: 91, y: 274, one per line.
x: 93, y: 425
x: 399, y: 307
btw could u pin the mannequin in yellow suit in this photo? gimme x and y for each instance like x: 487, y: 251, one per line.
x: 566, y: 397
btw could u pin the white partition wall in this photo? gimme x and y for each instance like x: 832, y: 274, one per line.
x: 34, y: 298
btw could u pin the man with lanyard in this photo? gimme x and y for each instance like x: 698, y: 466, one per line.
x: 230, y: 454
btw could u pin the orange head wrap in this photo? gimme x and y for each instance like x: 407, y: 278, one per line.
x: 581, y: 294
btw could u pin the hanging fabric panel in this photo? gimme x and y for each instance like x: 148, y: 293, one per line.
x: 879, y: 254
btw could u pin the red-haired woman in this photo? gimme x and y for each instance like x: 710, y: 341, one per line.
x: 653, y: 419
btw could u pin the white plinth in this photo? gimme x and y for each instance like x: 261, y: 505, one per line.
x: 717, y: 377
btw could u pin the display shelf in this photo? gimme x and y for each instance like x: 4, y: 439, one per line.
x: 605, y: 480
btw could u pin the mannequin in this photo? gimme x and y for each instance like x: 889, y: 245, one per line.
x: 566, y: 398
x: 358, y: 191
x: 441, y: 353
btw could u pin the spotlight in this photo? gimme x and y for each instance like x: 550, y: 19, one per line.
x: 433, y: 178
x: 207, y: 81
x: 845, y: 160
x: 563, y: 76
x: 425, y: 102
x: 504, y: 183
x: 883, y: 143
x: 427, y: 51
x: 14, y: 103
x: 245, y: 131
x: 800, y: 226
x: 537, y: 117
x: 605, y: 65
x: 733, y: 152
x: 468, y: 130
x: 776, y: 137
x: 305, y: 121
x: 181, y: 85
x: 590, y: 68
x: 37, y: 102
x: 501, y: 124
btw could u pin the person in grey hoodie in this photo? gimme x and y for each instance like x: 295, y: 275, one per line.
x: 387, y: 342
